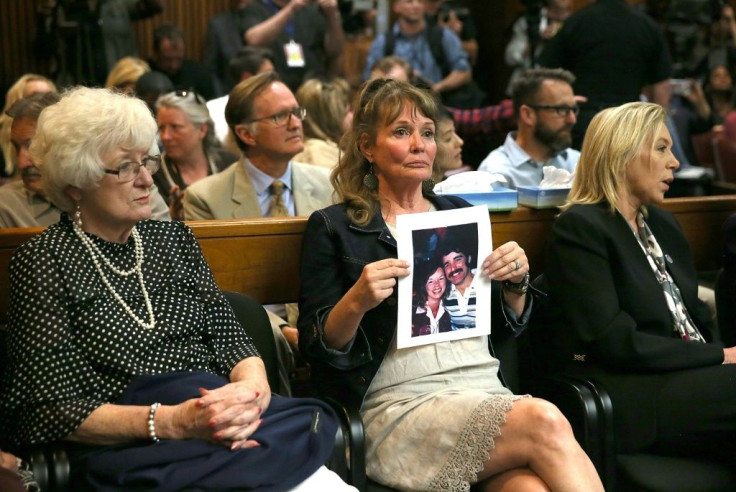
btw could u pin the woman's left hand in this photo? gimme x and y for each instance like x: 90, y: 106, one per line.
x: 507, y: 262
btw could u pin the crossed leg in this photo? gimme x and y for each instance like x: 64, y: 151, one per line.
x: 537, y: 451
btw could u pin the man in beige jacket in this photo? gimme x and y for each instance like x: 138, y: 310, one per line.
x: 265, y: 121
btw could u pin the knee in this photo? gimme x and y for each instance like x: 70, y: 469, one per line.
x: 547, y: 426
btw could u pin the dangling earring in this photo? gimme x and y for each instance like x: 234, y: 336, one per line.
x: 428, y: 186
x: 77, y: 216
x: 370, y: 181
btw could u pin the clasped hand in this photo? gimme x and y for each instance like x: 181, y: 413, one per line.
x: 228, y: 415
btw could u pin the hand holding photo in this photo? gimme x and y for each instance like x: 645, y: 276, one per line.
x: 444, y: 297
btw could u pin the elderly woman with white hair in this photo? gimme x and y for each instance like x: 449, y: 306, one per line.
x: 191, y: 148
x: 121, y: 344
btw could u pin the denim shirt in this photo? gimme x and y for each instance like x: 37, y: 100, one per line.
x: 334, y: 253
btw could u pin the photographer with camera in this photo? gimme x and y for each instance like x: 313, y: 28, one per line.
x: 452, y: 15
x: 435, y: 54
x: 530, y: 31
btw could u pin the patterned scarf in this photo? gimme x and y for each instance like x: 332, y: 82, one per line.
x: 682, y: 323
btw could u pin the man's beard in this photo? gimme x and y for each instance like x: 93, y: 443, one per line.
x: 557, y: 141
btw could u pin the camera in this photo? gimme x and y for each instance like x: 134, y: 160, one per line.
x: 680, y: 87
x: 462, y: 13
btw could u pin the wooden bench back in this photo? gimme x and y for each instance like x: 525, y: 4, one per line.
x: 260, y: 257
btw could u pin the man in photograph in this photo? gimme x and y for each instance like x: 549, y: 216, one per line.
x: 460, y: 297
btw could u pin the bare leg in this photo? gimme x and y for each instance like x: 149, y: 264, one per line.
x: 537, y: 436
x: 515, y: 480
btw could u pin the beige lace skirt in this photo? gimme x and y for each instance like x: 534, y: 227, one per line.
x: 432, y: 414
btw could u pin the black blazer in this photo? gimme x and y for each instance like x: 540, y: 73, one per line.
x: 607, y: 314
x: 334, y: 253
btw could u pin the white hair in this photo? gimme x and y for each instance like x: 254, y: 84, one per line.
x: 75, y: 135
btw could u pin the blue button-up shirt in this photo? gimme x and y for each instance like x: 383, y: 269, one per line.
x: 511, y: 161
x: 261, y: 183
x: 416, y: 50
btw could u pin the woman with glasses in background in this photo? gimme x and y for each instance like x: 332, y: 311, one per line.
x: 119, y: 342
x: 191, y: 149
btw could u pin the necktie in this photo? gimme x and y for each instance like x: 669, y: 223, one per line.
x: 278, y: 207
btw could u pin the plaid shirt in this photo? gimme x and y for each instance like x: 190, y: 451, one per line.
x: 482, y: 122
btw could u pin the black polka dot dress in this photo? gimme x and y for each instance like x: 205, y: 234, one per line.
x: 72, y: 346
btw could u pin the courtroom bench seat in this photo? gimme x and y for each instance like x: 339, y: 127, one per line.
x: 260, y: 257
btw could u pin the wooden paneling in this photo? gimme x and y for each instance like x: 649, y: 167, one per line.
x: 261, y: 257
x: 18, y: 32
x: 190, y: 15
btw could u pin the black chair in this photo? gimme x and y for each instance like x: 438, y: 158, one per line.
x: 587, y: 405
x: 50, y: 463
x: 725, y: 289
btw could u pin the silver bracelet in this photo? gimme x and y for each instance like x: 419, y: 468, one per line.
x: 152, y: 422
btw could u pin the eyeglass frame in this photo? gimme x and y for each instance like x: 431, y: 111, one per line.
x: 561, y: 107
x: 148, y: 158
x: 288, y: 113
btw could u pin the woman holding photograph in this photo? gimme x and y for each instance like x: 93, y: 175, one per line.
x: 429, y: 315
x: 349, y: 315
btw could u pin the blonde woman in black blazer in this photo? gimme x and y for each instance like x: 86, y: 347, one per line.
x: 623, y: 303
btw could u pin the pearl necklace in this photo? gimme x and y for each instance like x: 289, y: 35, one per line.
x: 95, y: 252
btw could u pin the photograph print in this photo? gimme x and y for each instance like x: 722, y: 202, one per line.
x: 443, y: 298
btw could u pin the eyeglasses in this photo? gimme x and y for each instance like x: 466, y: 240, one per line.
x: 184, y: 94
x: 562, y: 111
x: 128, y: 171
x: 282, y: 117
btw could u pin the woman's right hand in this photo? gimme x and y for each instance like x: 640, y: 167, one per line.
x: 377, y: 282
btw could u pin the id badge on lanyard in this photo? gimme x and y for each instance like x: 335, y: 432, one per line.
x: 294, y: 54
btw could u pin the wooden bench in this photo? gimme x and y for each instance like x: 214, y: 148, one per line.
x: 261, y: 257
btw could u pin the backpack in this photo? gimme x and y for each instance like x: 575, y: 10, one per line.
x: 464, y: 97
x: 434, y: 35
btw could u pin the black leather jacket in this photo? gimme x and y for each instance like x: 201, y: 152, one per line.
x: 334, y: 253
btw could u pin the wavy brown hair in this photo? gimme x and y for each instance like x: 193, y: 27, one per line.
x: 379, y: 103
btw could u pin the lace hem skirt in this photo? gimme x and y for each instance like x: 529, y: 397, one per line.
x: 440, y: 443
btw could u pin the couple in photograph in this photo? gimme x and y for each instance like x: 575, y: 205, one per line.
x: 444, y: 289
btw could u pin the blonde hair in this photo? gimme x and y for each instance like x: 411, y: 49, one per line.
x: 15, y: 93
x: 327, y: 103
x: 614, y: 138
x: 379, y: 103
x: 74, y: 135
x: 126, y: 72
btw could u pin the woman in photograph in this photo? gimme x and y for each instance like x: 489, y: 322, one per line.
x: 436, y: 416
x: 429, y: 315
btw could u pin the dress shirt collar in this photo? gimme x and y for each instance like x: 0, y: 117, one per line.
x: 518, y: 156
x: 262, y: 181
